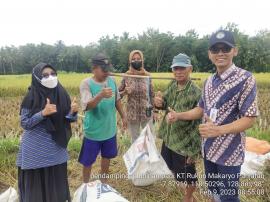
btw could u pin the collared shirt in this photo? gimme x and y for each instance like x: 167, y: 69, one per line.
x: 181, y: 137
x: 233, y: 95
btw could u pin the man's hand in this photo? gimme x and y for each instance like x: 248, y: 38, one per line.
x: 49, y: 108
x: 171, y: 116
x: 209, y: 129
x: 106, y: 93
x: 74, y: 106
x: 158, y: 100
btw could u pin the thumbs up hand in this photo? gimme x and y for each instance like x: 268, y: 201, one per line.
x: 158, y: 100
x: 171, y: 116
x: 128, y: 89
x: 209, y: 129
x: 49, y: 108
x: 74, y: 106
x: 106, y: 92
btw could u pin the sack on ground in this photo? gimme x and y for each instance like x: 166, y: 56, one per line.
x: 10, y: 195
x: 254, y: 163
x: 143, y: 161
x: 97, y: 192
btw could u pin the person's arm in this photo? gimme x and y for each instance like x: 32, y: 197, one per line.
x: 119, y: 108
x: 104, y: 93
x: 27, y: 122
x: 209, y: 129
x: 122, y: 114
x: 85, y: 94
x: 238, y: 126
x: 87, y: 99
x: 193, y: 114
x: 94, y: 101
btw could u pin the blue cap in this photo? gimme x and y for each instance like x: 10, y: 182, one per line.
x: 222, y: 36
x: 181, y: 60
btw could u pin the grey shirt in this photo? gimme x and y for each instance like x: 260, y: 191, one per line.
x: 86, y: 94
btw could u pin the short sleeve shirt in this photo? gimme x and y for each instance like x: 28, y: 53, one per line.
x: 233, y: 94
x: 86, y: 94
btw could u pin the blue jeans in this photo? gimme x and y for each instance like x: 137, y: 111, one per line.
x: 222, y: 181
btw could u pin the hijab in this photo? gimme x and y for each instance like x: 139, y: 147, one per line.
x: 36, y: 98
x: 133, y: 71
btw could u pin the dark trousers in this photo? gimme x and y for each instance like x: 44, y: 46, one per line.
x: 222, y: 180
x: 48, y: 184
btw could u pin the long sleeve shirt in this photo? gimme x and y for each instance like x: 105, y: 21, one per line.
x: 37, y: 148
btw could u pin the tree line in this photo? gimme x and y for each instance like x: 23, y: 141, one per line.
x: 158, y: 48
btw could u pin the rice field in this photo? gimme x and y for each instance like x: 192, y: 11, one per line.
x: 12, y: 89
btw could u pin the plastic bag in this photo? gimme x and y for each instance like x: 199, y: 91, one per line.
x: 144, y: 163
x: 10, y: 195
x: 253, y: 163
x: 97, y: 192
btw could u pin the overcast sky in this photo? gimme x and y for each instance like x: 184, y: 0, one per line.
x: 83, y: 21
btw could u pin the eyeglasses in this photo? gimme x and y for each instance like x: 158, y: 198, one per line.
x: 46, y: 75
x: 217, y: 49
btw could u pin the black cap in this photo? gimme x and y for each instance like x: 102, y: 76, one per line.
x: 222, y: 36
x: 102, y: 60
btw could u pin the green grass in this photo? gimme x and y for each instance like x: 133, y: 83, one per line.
x: 259, y: 134
x: 8, y: 147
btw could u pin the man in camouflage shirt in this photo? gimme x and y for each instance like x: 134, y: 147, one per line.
x: 181, y: 140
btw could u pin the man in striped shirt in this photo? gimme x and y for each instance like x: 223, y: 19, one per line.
x: 229, y: 107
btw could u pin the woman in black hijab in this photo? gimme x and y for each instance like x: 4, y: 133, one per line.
x: 46, y: 113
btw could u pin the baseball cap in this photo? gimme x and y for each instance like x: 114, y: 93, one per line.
x: 181, y: 60
x: 103, y: 61
x: 222, y: 36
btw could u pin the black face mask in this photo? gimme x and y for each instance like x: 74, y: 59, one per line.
x: 136, y: 65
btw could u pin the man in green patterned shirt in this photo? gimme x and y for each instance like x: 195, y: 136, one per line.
x: 181, y: 139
